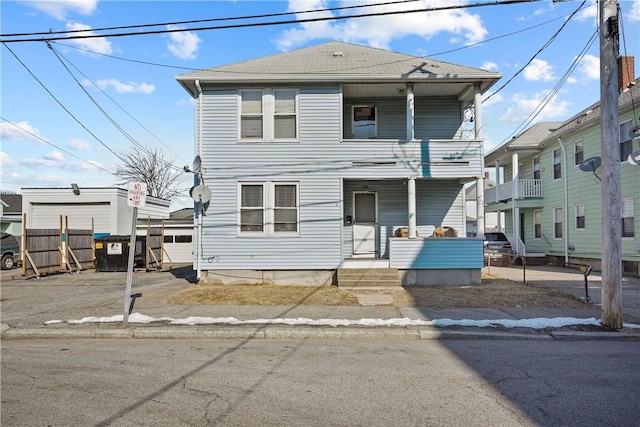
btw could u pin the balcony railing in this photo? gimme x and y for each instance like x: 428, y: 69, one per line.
x: 526, y: 189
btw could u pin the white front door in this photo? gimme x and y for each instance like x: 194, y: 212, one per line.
x: 365, y: 223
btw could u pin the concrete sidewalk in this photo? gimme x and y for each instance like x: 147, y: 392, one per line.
x: 28, y: 307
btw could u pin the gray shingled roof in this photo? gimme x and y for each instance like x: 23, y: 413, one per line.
x: 337, y: 61
x: 14, y: 202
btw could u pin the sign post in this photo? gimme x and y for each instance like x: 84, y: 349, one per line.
x: 136, y: 198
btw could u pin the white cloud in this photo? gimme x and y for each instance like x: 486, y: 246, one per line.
x: 54, y: 156
x: 634, y: 11
x: 495, y: 98
x: 130, y: 87
x: 590, y: 13
x: 5, y: 160
x: 590, y: 67
x: 523, y: 106
x: 97, y: 44
x: 538, y: 70
x: 79, y: 144
x: 21, y: 131
x: 183, y: 44
x: 60, y: 8
x: 380, y: 31
x: 489, y: 66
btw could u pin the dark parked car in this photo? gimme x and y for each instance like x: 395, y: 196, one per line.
x: 497, y: 242
x: 10, y: 251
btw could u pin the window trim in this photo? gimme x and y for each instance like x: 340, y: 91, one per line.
x: 553, y: 164
x: 268, y: 207
x: 539, y: 218
x: 268, y: 114
x: 534, y: 169
x: 633, y: 217
x: 575, y: 153
x: 555, y: 236
x: 575, y: 217
x: 353, y: 120
x: 627, y: 139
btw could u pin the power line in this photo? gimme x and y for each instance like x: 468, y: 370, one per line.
x: 265, y: 24
x: 55, y: 146
x: 233, y: 18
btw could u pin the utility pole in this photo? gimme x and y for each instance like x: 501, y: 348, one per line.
x: 611, y: 181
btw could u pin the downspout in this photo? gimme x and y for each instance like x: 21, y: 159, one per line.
x: 198, y: 137
x: 565, y: 224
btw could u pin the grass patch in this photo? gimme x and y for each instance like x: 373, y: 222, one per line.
x: 263, y: 295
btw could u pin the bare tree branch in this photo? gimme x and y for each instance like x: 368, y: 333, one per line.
x: 151, y: 167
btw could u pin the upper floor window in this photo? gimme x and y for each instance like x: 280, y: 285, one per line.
x: 557, y: 164
x: 580, y: 217
x: 627, y: 217
x: 626, y: 142
x: 364, y: 121
x: 536, y: 167
x: 267, y: 208
x: 269, y: 114
x: 578, y: 152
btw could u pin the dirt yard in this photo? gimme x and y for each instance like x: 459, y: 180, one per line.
x: 492, y: 293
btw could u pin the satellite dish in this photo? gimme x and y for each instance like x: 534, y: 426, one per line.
x: 197, y: 164
x: 634, y: 158
x: 200, y: 193
x: 591, y: 164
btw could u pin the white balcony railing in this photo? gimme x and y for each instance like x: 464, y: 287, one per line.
x: 527, y: 188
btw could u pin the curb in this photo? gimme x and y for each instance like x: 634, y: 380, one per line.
x: 306, y: 332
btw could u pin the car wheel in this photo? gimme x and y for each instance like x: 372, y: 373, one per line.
x: 7, y: 262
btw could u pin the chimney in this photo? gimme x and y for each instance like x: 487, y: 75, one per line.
x: 626, y: 72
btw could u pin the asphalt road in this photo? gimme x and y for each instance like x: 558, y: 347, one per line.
x: 319, y: 383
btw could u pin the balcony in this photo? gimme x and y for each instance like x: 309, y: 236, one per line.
x: 522, y: 190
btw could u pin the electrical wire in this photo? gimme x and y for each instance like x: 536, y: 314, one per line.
x: 273, y: 23
x: 55, y: 146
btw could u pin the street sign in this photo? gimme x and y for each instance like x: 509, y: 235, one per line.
x: 137, y: 196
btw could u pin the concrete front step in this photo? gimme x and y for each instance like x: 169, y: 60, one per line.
x: 369, y: 278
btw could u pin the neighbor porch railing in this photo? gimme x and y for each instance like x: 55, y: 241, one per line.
x: 524, y: 188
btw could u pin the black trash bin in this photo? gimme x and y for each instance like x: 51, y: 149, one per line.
x: 112, y: 252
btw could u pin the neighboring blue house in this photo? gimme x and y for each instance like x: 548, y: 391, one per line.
x: 315, y: 158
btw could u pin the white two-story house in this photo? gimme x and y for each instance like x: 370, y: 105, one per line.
x: 315, y: 157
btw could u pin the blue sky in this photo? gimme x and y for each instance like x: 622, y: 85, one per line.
x: 131, y: 79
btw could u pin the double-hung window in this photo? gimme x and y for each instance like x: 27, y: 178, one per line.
x: 580, y: 217
x: 557, y: 164
x: 627, y: 217
x: 268, y: 114
x: 537, y: 224
x: 578, y: 152
x: 626, y: 142
x: 269, y: 208
x: 536, y: 167
x: 557, y: 223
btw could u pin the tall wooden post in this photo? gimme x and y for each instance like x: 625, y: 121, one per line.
x: 611, y: 181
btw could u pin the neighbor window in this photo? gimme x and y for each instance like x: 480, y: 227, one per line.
x: 364, y: 121
x: 627, y: 217
x: 578, y: 152
x: 269, y: 208
x: 537, y: 224
x: 557, y: 223
x: 580, y: 217
x: 168, y: 239
x: 268, y: 114
x: 626, y: 142
x: 557, y: 164
x: 536, y: 167
x: 186, y: 238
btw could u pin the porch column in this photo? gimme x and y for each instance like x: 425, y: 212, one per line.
x: 498, y: 182
x: 480, y: 207
x: 477, y: 112
x: 410, y: 113
x: 411, y: 187
x: 515, y: 172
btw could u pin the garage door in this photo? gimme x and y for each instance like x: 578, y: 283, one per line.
x: 178, y: 243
